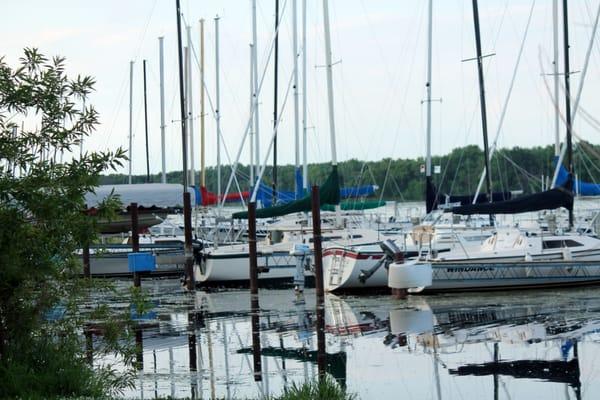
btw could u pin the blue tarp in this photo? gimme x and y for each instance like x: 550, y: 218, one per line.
x: 581, y: 188
x: 358, y: 191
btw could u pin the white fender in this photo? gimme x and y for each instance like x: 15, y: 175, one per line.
x: 411, y: 274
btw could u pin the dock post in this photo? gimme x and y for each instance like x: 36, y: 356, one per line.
x: 189, y: 253
x: 318, y: 255
x: 252, y: 248
x: 86, y: 255
x: 254, y: 304
x: 318, y: 251
x: 135, y: 239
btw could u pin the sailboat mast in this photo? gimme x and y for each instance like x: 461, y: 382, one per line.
x: 275, y: 90
x: 255, y: 82
x: 568, y: 97
x: 146, y: 125
x: 218, y: 110
x: 428, y: 183
x: 251, y: 106
x: 190, y: 105
x: 202, y: 143
x: 329, y: 67
x: 488, y: 175
x: 129, y: 154
x: 161, y: 56
x: 297, y: 184
x: 187, y: 212
x: 304, y: 100
x: 555, y: 74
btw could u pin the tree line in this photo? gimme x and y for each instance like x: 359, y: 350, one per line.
x: 403, y: 179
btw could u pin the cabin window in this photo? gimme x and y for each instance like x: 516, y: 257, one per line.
x: 557, y: 244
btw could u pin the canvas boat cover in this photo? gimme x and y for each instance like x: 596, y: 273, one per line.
x: 547, y: 200
x: 147, y: 195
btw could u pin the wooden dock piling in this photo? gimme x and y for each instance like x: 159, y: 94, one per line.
x: 320, y: 290
x: 252, y: 248
x: 135, y: 239
x: 189, y: 253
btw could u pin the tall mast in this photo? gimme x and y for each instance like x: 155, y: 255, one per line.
x: 429, y: 193
x: 202, y: 144
x: 255, y: 79
x: 186, y: 90
x: 161, y: 57
x: 304, y: 99
x: 488, y: 176
x: 251, y: 106
x: 556, y: 79
x: 218, y: 110
x: 275, y: 89
x: 129, y: 153
x: 329, y: 66
x: 146, y: 126
x: 187, y: 212
x: 190, y: 105
x: 297, y: 172
x: 568, y: 97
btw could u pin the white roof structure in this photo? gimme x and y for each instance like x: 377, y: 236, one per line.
x: 163, y: 195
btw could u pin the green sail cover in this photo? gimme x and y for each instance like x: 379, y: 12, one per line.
x: 355, y: 205
x: 329, y: 193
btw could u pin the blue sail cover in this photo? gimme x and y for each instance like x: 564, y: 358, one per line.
x: 358, y: 191
x: 581, y: 188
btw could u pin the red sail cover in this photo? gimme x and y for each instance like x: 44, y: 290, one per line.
x: 210, y: 198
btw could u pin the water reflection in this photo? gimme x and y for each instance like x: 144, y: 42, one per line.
x: 227, y: 344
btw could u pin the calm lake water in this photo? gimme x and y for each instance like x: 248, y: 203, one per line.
x: 509, y: 345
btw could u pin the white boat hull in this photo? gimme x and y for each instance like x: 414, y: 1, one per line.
x: 342, y: 268
x: 449, y: 276
x: 235, y: 267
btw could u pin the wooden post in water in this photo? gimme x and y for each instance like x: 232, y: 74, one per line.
x: 86, y: 255
x: 192, y: 341
x: 318, y: 251
x: 135, y: 239
x: 252, y: 248
x: 189, y: 254
x: 255, y: 321
x: 139, y: 349
x: 254, y: 304
x: 318, y: 255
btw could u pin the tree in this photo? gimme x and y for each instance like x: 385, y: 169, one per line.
x: 43, y: 179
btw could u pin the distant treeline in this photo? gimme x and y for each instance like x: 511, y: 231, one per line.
x: 402, y: 179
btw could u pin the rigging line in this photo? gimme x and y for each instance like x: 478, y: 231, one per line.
x: 523, y: 170
x: 585, y: 157
x: 506, y: 101
x: 141, y: 42
x: 267, y: 156
x: 387, y: 173
x: 214, y: 115
x: 252, y: 110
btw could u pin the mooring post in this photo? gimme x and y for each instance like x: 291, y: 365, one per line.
x: 192, y: 341
x: 86, y: 254
x: 252, y: 248
x: 256, y: 350
x: 254, y: 304
x: 189, y: 253
x: 135, y: 240
x: 318, y: 251
x: 139, y: 349
x: 318, y: 255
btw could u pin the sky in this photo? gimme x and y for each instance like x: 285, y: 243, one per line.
x: 379, y: 50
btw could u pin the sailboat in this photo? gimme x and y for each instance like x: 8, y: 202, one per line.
x: 511, y: 258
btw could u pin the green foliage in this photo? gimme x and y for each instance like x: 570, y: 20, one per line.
x: 43, y: 118
x: 325, y: 389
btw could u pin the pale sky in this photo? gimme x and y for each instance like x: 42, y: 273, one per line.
x: 379, y: 82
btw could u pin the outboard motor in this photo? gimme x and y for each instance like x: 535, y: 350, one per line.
x: 392, y: 253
